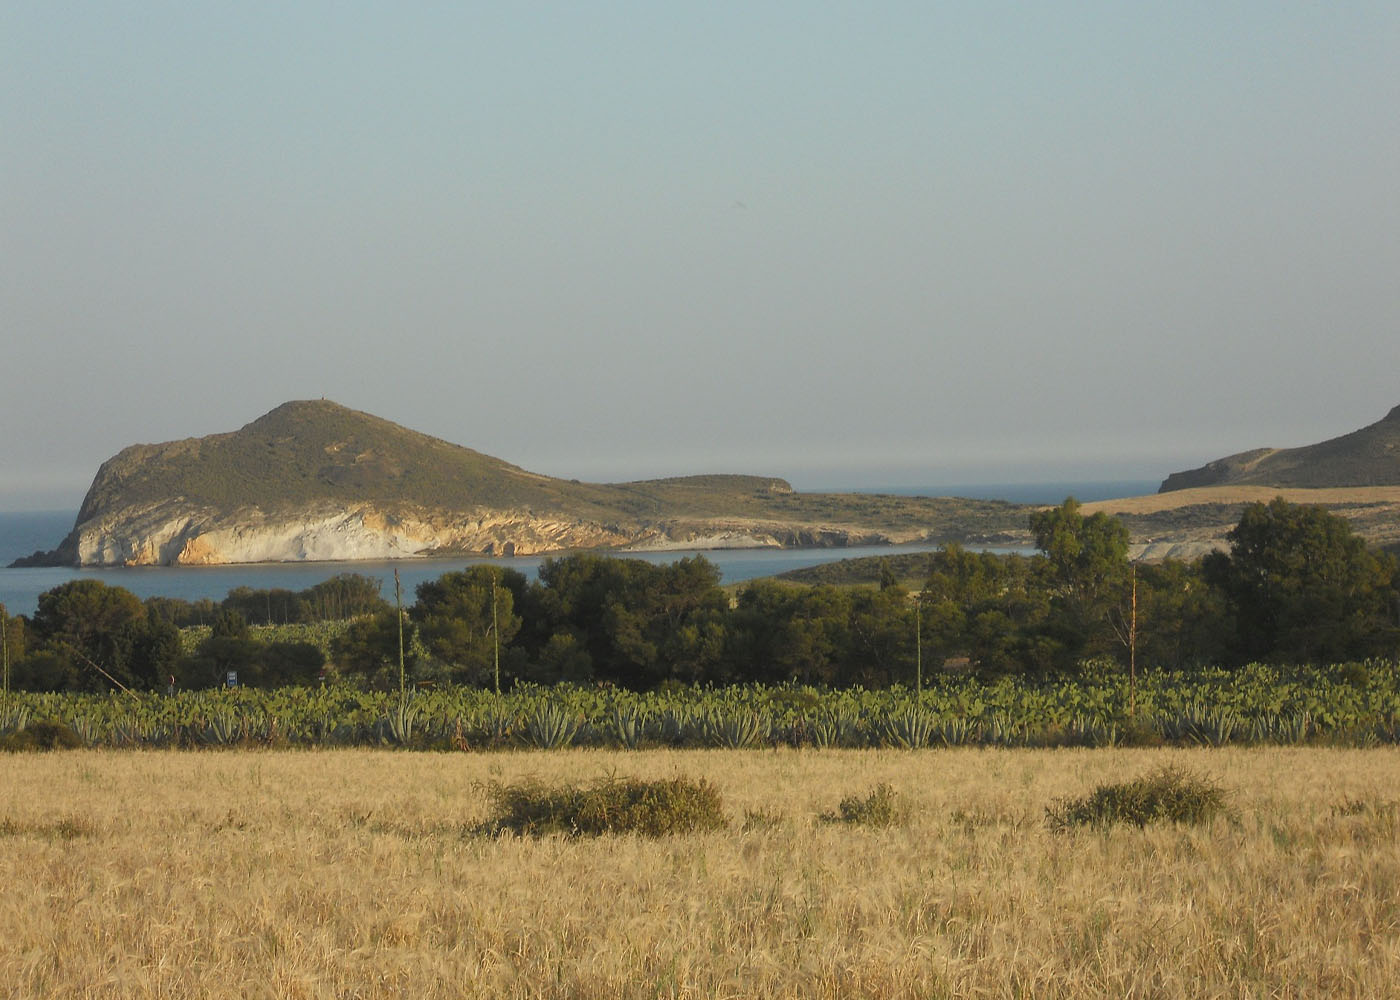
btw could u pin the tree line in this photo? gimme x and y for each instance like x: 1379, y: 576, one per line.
x: 88, y: 636
x: 1295, y: 586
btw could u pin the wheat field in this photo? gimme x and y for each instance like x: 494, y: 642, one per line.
x: 360, y: 874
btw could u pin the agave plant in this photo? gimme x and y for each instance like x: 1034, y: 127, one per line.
x: 955, y: 731
x: 1291, y: 729
x: 833, y: 728
x: 551, y: 727
x: 1004, y: 731
x: 398, y: 725
x: 679, y: 724
x: 911, y: 728
x: 736, y: 729
x: 1094, y: 732
x: 1200, y: 723
x: 629, y: 725
x: 88, y: 728
x: 224, y: 726
x: 496, y: 722
x: 13, y: 718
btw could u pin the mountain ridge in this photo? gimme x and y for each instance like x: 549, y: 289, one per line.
x: 1369, y: 456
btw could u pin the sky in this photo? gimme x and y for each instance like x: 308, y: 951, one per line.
x: 849, y: 244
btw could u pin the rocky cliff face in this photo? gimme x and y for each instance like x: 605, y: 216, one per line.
x: 178, y: 534
x: 174, y: 534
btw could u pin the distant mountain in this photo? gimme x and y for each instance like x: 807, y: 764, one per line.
x: 1368, y: 457
x: 313, y: 480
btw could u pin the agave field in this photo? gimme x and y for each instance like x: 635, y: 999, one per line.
x: 1356, y: 704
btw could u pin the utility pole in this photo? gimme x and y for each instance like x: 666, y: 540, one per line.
x: 1132, y: 649
x: 495, y: 633
x: 5, y: 645
x: 398, y: 608
x: 1125, y: 628
x: 919, y: 644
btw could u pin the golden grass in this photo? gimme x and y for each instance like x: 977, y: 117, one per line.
x: 355, y: 874
x: 1330, y: 497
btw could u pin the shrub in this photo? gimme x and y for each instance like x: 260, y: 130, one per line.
x: 882, y: 807
x: 42, y: 736
x: 612, y: 805
x: 762, y: 819
x: 66, y: 828
x: 1365, y: 807
x: 1166, y: 795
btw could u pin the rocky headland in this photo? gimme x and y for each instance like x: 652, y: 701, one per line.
x: 313, y: 480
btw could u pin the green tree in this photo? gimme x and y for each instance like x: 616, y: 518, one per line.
x: 780, y: 633
x: 960, y: 586
x: 11, y: 645
x: 462, y: 617
x: 368, y: 651
x: 1182, y: 618
x: 881, y: 631
x: 1088, y: 572
x: 228, y: 647
x: 639, y: 624
x: 348, y: 595
x: 563, y: 658
x: 1302, y: 587
x: 264, y: 607
x: 98, y: 636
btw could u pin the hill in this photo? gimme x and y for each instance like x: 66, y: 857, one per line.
x: 1366, y: 457
x: 317, y: 480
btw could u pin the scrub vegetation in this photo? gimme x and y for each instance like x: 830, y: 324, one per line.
x: 609, y: 805
x: 1166, y: 795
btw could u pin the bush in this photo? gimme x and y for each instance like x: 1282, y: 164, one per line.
x: 42, y: 736
x: 1164, y: 795
x: 612, y: 805
x: 762, y: 819
x: 882, y: 807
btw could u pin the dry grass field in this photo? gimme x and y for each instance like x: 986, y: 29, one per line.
x: 1332, y: 497
x: 1186, y: 524
x: 358, y: 874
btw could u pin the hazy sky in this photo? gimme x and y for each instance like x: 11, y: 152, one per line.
x: 859, y: 244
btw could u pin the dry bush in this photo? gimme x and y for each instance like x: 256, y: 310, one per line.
x: 881, y: 807
x: 41, y: 736
x: 1166, y: 795
x: 611, y: 805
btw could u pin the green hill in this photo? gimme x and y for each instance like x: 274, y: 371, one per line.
x: 316, y: 450
x: 1367, y: 457
x: 272, y: 489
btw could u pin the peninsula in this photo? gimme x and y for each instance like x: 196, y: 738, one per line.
x: 313, y: 480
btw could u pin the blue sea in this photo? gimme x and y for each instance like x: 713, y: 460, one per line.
x: 22, y: 534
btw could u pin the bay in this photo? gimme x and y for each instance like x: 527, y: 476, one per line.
x: 20, y: 588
